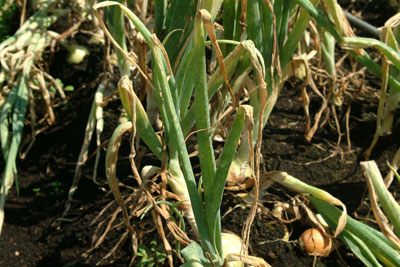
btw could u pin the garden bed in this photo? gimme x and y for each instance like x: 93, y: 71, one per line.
x: 30, y: 236
x: 29, y: 239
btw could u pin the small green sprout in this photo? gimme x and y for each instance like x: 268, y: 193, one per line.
x: 57, y: 190
x: 36, y: 190
x: 151, y: 256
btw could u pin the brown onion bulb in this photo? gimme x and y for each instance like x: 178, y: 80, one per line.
x: 315, y: 243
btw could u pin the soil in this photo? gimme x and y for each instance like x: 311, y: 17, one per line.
x: 30, y: 237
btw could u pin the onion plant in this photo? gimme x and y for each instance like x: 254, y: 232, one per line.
x: 203, y: 212
x: 389, y: 100
x: 387, y: 46
x: 368, y: 244
x: 371, y: 246
x: 18, y: 55
x: 184, y: 94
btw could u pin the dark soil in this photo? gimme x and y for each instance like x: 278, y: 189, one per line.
x: 29, y: 237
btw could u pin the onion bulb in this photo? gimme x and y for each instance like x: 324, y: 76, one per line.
x: 76, y: 53
x: 315, y: 243
x: 231, y: 245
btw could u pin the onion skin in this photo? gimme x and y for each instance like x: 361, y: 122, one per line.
x: 315, y: 243
x: 231, y: 244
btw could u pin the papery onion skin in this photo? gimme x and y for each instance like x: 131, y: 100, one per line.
x: 315, y: 243
x: 231, y: 243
